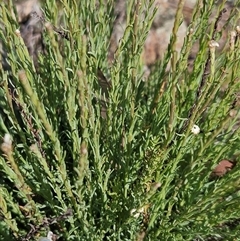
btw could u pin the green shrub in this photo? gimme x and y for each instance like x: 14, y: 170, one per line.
x: 92, y: 159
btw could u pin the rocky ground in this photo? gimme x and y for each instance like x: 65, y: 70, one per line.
x: 157, y: 39
x: 159, y: 35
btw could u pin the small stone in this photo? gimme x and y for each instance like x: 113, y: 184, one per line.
x: 222, y: 168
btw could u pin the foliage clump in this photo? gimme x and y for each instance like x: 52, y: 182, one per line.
x: 93, y: 150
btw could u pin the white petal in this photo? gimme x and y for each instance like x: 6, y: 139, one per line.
x: 195, y: 130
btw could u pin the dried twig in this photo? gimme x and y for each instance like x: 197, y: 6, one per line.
x: 46, y: 223
x: 28, y: 119
x: 62, y: 33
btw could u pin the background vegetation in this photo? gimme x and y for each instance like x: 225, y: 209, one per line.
x: 96, y: 151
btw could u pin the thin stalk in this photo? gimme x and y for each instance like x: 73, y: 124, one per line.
x: 49, y: 130
x: 177, y: 22
x: 200, y: 97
